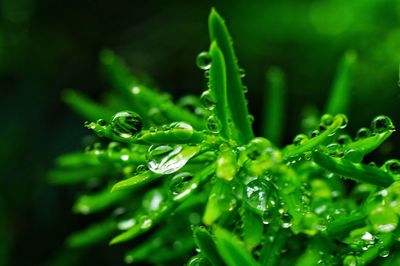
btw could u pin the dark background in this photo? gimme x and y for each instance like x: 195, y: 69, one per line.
x: 46, y: 46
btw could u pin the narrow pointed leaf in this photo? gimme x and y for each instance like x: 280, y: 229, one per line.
x: 205, y: 242
x: 137, y: 180
x: 94, y: 234
x: 274, y: 106
x: 76, y: 175
x: 339, y: 100
x: 97, y: 202
x: 231, y: 249
x: 253, y: 229
x: 236, y: 99
x: 85, y: 106
x: 355, y: 171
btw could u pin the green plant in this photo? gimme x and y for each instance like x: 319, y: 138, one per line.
x: 192, y: 175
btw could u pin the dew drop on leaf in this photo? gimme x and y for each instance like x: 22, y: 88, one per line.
x: 363, y: 133
x: 179, y: 184
x: 153, y: 200
x: 213, y: 124
x: 101, y: 122
x: 383, y: 219
x: 126, y: 124
x: 286, y: 220
x: 326, y: 121
x: 242, y: 72
x: 300, y: 139
x: 392, y: 166
x: 381, y: 124
x: 257, y: 195
x: 181, y: 130
x: 167, y: 159
x: 203, y: 61
x: 315, y: 133
x: 207, y: 99
x: 344, y: 139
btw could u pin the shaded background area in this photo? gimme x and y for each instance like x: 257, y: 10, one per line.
x: 46, y: 46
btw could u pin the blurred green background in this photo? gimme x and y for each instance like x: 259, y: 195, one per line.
x: 46, y: 46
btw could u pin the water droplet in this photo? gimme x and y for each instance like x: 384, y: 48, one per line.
x: 383, y: 252
x: 351, y: 261
x: 381, y: 124
x: 315, y: 133
x: 344, y: 139
x: 207, y: 99
x: 251, y: 118
x: 267, y: 216
x: 153, y: 200
x: 286, y: 220
x: 300, y: 139
x: 392, y: 166
x: 179, y: 185
x: 257, y: 146
x: 181, y: 130
x: 126, y: 124
x: 167, y: 159
x: 383, y: 219
x: 257, y: 195
x: 363, y: 133
x: 345, y: 121
x: 335, y: 149
x: 326, y: 121
x: 101, y: 122
x: 203, y: 60
x: 198, y: 260
x: 213, y: 124
x: 145, y: 222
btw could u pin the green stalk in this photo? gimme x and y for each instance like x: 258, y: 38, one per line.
x: 274, y: 102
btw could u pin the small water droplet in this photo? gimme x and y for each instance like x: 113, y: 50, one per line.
x: 179, y: 185
x: 326, y: 121
x: 345, y: 121
x: 257, y: 146
x: 363, y: 133
x: 213, y: 124
x: 181, y: 130
x: 101, y: 122
x: 300, y: 139
x: 153, y: 200
x: 315, y: 133
x: 286, y: 220
x: 242, y: 72
x: 251, y: 118
x: 145, y: 222
x: 381, y: 124
x: 383, y: 252
x: 392, y: 166
x: 207, y: 99
x: 126, y: 124
x: 344, y: 139
x: 203, y: 60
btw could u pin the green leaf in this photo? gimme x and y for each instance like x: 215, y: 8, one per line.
x: 274, y: 102
x: 86, y: 107
x: 76, y: 175
x: 231, y: 249
x: 97, y: 202
x: 253, y: 228
x: 292, y: 150
x: 205, y: 242
x: 355, y: 151
x: 94, y: 234
x: 218, y: 88
x: 77, y: 159
x: 357, y: 172
x: 135, y: 181
x: 236, y: 99
x: 339, y: 100
x: 342, y: 226
x: 218, y: 201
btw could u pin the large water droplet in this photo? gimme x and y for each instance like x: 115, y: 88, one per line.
x: 126, y: 124
x: 257, y: 146
x: 167, y: 159
x: 344, y: 139
x: 326, y: 121
x: 383, y: 219
x: 203, y: 60
x: 257, y: 195
x: 181, y: 130
x: 381, y: 124
x: 179, y: 185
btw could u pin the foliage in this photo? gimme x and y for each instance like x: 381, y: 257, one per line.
x: 192, y: 183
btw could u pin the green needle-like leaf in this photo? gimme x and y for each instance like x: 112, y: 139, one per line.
x: 76, y: 175
x: 339, y: 100
x: 274, y: 106
x: 253, y: 228
x: 218, y: 86
x: 357, y: 172
x: 97, y: 202
x: 231, y: 249
x: 93, y: 235
x: 236, y: 100
x: 137, y: 180
x: 85, y: 106
x: 207, y: 246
